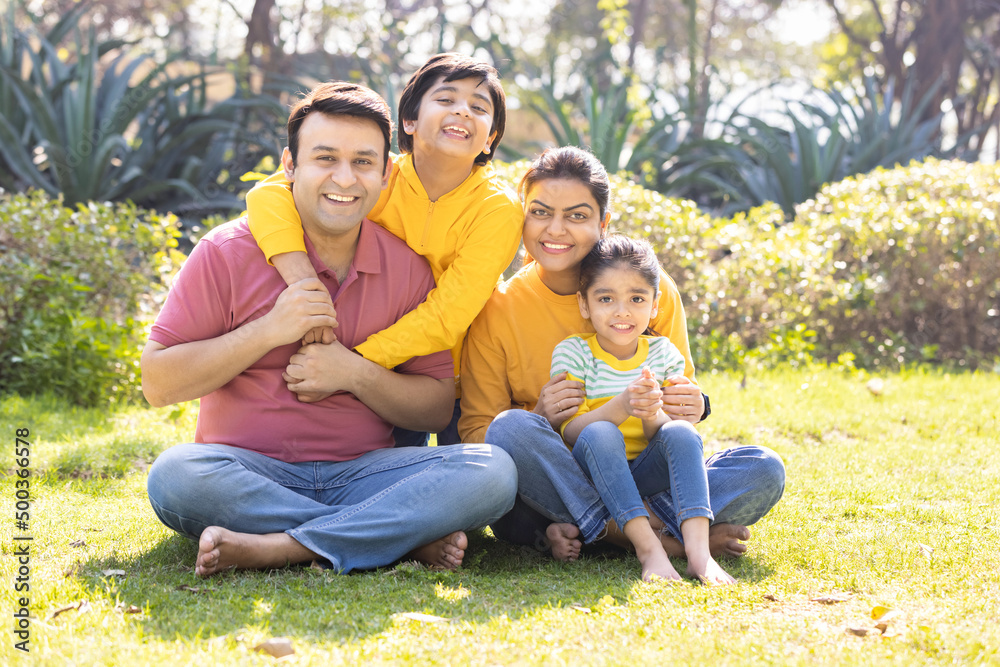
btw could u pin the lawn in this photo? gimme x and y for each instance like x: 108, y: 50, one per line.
x: 890, y: 511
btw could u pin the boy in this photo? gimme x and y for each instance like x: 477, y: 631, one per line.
x: 443, y: 200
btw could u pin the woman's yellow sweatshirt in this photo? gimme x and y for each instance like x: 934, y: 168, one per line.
x: 468, y: 236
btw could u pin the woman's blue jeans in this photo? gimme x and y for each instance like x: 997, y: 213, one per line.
x: 744, y: 483
x: 356, y: 515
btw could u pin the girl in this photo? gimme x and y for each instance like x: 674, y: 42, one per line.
x: 620, y: 435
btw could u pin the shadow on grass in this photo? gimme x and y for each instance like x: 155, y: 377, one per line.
x: 499, y: 580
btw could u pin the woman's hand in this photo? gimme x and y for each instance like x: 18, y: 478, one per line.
x: 559, y: 400
x: 643, y: 396
x: 682, y: 399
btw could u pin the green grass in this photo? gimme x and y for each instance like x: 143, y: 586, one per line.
x: 891, y: 501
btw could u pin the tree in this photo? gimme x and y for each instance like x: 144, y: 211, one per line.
x: 951, y: 48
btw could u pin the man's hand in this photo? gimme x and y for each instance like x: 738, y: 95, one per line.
x: 317, y: 371
x: 643, y: 396
x: 301, y: 307
x: 295, y: 267
x: 682, y: 399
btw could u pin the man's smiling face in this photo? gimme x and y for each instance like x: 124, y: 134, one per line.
x: 338, y: 174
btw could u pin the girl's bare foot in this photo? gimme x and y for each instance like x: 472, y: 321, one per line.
x: 446, y: 553
x: 564, y: 540
x: 656, y: 565
x: 708, y: 572
x: 221, y: 549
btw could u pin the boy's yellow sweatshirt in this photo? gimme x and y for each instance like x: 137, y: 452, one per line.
x: 468, y: 236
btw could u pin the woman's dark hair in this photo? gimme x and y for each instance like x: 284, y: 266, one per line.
x: 620, y: 251
x: 571, y: 163
x: 453, y: 67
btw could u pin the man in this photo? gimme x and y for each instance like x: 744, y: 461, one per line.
x: 281, y: 471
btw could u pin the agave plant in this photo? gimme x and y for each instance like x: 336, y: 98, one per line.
x: 94, y: 130
x: 805, y: 145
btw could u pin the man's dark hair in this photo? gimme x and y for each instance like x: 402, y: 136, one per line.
x: 453, y: 67
x: 340, y: 98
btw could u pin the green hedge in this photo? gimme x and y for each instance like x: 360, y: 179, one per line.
x: 78, y: 288
x: 890, y: 268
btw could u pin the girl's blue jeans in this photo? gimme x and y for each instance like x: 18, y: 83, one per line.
x: 744, y: 483
x: 356, y: 515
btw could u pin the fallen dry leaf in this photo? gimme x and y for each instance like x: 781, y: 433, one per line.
x: 831, y: 599
x: 78, y: 543
x: 316, y: 566
x: 926, y: 551
x: 882, y: 613
x: 132, y: 609
x: 113, y: 573
x: 193, y: 589
x: 83, y: 606
x: 772, y: 598
x: 422, y: 618
x: 276, y: 647
x: 584, y: 610
x: 858, y: 632
x: 71, y: 570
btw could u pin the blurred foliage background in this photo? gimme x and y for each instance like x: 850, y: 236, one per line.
x: 817, y: 174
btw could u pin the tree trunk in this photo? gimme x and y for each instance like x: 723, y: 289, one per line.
x: 260, y: 32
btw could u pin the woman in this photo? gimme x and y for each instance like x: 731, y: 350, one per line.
x: 509, y: 400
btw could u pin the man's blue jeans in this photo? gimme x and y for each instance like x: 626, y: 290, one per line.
x: 356, y: 515
x: 744, y: 483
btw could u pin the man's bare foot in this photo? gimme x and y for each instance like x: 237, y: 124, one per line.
x: 446, y: 553
x: 708, y: 572
x: 221, y: 549
x: 656, y: 565
x: 727, y: 539
x: 564, y: 540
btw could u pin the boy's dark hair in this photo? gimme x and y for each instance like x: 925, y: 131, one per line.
x: 573, y: 164
x: 340, y: 98
x: 453, y: 67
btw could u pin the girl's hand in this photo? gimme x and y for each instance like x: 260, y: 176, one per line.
x: 559, y: 400
x: 682, y: 399
x: 643, y: 396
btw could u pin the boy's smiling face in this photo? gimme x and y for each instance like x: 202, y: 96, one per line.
x: 455, y: 120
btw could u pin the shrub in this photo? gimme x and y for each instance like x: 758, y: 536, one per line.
x: 909, y: 264
x: 78, y: 288
x: 891, y: 268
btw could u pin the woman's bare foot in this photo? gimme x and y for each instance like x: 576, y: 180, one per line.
x: 709, y: 572
x: 446, y: 553
x: 564, y: 540
x: 727, y: 539
x: 724, y: 539
x: 221, y: 549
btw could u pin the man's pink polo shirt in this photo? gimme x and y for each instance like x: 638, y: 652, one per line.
x: 226, y: 282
